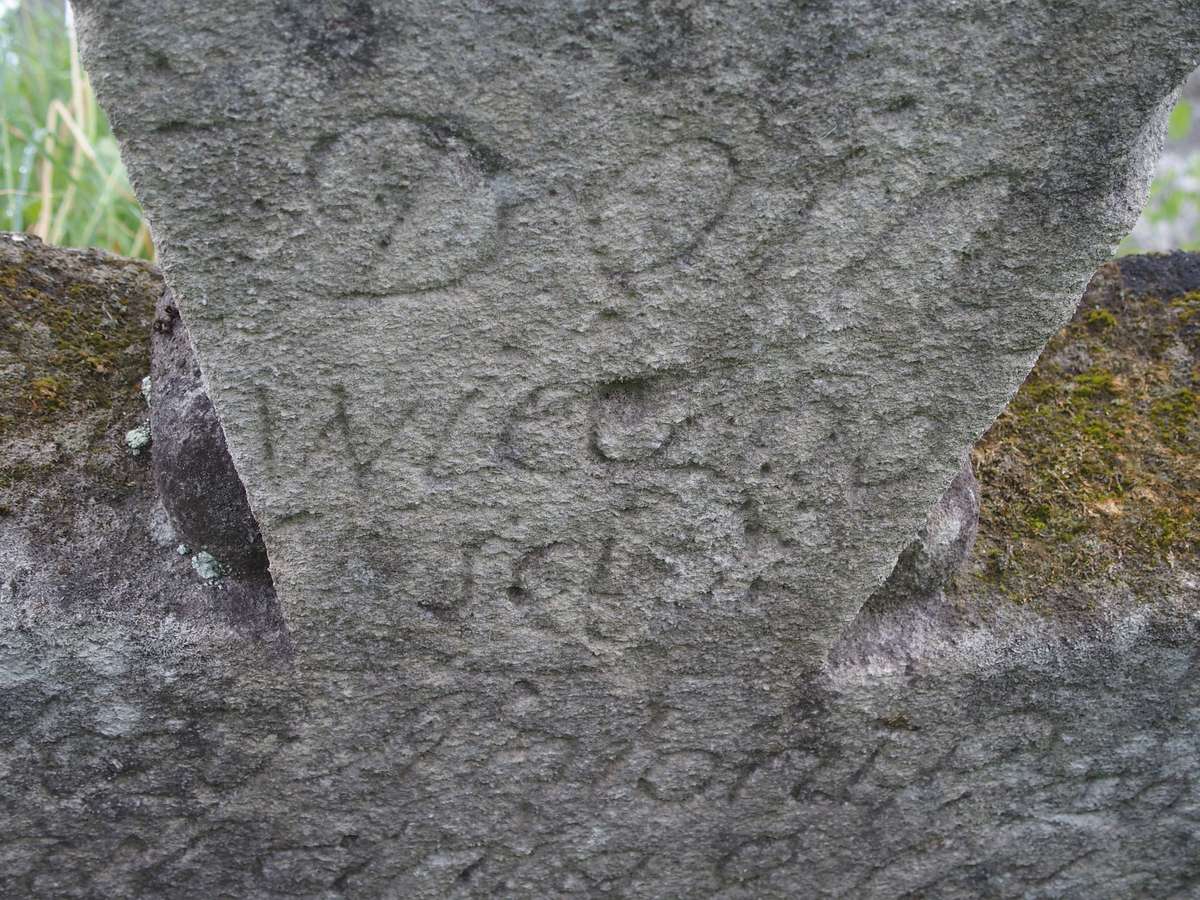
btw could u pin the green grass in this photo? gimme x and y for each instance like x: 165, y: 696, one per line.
x: 61, y: 176
x: 1170, y: 196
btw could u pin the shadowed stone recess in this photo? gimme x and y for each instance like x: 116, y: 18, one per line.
x: 943, y: 544
x: 194, y: 475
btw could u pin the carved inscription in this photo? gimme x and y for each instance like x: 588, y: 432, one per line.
x: 675, y: 777
x: 621, y: 567
x: 428, y: 217
x: 633, y: 419
x: 661, y: 207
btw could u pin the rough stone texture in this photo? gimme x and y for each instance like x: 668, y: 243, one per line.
x: 193, y: 472
x: 1065, y: 770
x: 927, y: 565
x: 157, y: 740
x: 632, y: 335
x: 588, y: 367
x: 1161, y: 227
x: 1167, y: 275
x: 83, y: 535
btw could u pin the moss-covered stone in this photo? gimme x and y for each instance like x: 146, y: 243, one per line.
x: 83, y: 534
x: 1093, y: 471
x: 74, y: 330
x: 74, y: 346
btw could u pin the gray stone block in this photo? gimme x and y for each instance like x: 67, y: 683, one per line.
x: 588, y: 367
x: 556, y: 333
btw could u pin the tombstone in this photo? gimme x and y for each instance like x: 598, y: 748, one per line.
x: 587, y: 368
x: 645, y: 336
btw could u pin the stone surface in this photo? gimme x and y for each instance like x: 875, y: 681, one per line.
x: 927, y: 565
x: 193, y: 472
x: 1164, y: 227
x: 632, y: 335
x: 158, y: 740
x: 1063, y: 769
x: 1167, y: 275
x: 83, y: 534
x: 588, y: 367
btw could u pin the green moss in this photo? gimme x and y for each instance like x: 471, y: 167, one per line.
x: 77, y: 328
x: 78, y: 325
x: 1039, y: 391
x: 46, y: 393
x: 1096, y: 474
x: 1095, y: 386
x: 1188, y: 306
x: 1100, y: 319
x: 1175, y: 416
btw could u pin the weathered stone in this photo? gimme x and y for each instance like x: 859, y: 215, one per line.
x: 156, y: 741
x: 1061, y: 768
x: 551, y: 334
x: 1167, y: 223
x: 588, y: 367
x: 928, y: 564
x: 196, y: 480
x: 83, y: 535
x: 1168, y: 275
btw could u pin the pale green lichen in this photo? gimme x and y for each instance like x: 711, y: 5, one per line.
x: 208, y: 567
x: 138, y: 439
x: 146, y: 389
